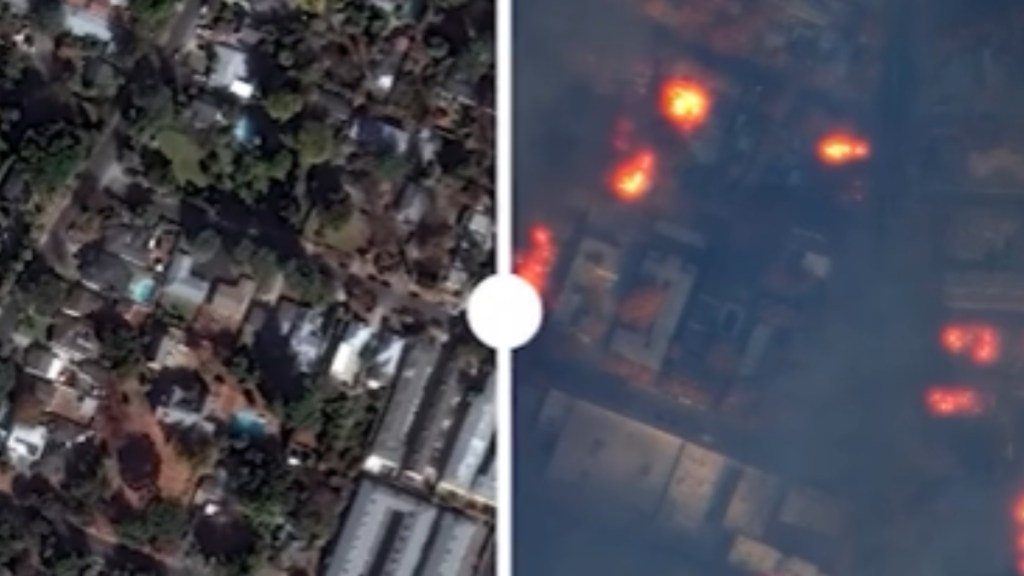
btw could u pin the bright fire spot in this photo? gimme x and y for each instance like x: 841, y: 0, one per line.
x: 837, y: 149
x: 1017, y: 515
x: 954, y: 401
x: 979, y: 343
x: 634, y: 176
x: 535, y: 263
x: 685, y: 103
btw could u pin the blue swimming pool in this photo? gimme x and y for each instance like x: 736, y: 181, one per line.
x: 244, y: 131
x: 142, y: 290
x: 248, y: 423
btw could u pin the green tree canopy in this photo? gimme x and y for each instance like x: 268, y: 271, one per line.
x: 306, y: 412
x: 314, y: 143
x: 254, y: 174
x: 52, y: 154
x: 310, y: 281
x: 149, y: 14
x: 283, y: 105
x: 160, y: 524
x: 123, y: 348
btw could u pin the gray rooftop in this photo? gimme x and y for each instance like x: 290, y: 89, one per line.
x: 385, y: 534
x: 391, y: 443
x: 458, y: 542
x: 648, y: 346
x: 471, y: 456
x: 79, y: 22
x: 230, y: 64
x: 698, y: 477
x: 182, y: 287
x: 382, y: 135
x: 106, y: 273
x: 129, y: 243
x: 757, y: 346
x: 412, y: 206
x: 753, y: 503
x: 586, y: 297
x: 308, y: 342
x: 812, y: 510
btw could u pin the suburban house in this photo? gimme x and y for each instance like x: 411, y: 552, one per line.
x: 25, y: 445
x: 380, y: 136
x: 346, y: 364
x: 231, y: 71
x: 178, y: 397
x: 308, y: 340
x: 41, y: 362
x: 184, y: 291
x: 89, y: 18
x: 74, y: 339
x: 230, y: 302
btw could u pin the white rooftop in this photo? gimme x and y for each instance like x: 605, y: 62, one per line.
x: 243, y: 90
x: 25, y: 444
x: 468, y: 461
x: 347, y: 360
x: 79, y: 22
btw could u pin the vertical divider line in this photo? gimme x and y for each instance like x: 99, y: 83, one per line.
x: 504, y: 262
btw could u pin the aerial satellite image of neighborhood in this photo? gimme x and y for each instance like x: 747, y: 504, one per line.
x: 780, y: 245
x: 237, y: 238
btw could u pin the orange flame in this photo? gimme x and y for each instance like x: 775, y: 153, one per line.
x: 838, y: 149
x: 1017, y: 516
x: 634, y: 176
x: 685, y: 103
x: 954, y: 401
x: 534, y: 265
x: 979, y: 343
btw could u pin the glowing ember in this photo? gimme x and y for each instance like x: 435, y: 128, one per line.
x: 684, y: 103
x: 979, y: 343
x: 986, y: 347
x: 1018, y: 515
x: 955, y: 339
x: 954, y: 401
x: 633, y: 177
x: 838, y: 149
x: 535, y: 263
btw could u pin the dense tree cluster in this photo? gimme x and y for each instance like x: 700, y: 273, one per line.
x: 161, y: 524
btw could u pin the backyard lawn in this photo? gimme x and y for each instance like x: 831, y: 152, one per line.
x: 184, y: 154
x: 342, y: 232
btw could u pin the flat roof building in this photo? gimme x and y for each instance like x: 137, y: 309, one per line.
x: 753, y: 503
x: 754, y: 556
x: 648, y: 345
x: 698, y: 478
x: 982, y: 290
x: 470, y: 467
x: 25, y: 445
x: 586, y: 304
x: 606, y: 457
x: 391, y: 446
x: 814, y: 511
x: 458, y: 543
x: 385, y: 532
